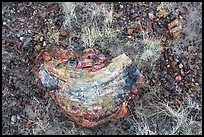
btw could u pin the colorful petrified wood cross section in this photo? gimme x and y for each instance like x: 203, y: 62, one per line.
x: 86, y: 86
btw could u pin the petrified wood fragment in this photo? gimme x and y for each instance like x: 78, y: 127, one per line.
x: 87, y: 87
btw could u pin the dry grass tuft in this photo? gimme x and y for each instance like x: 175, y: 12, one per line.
x: 70, y: 16
x: 94, y: 30
x: 160, y: 117
x: 151, y: 51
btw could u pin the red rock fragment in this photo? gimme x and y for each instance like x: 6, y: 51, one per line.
x: 178, y: 78
x: 130, y: 31
x: 190, y: 48
x: 28, y: 122
x: 19, y: 46
x: 174, y: 27
x: 117, y: 15
x: 63, y: 33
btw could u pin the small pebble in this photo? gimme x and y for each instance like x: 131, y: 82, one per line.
x: 180, y: 65
x: 21, y: 38
x: 121, y: 6
x: 18, y: 117
x: 178, y: 78
x: 38, y: 47
x: 44, y: 43
x: 41, y: 38
x: 18, y: 35
x: 182, y: 73
x: 176, y: 60
x: 30, y: 3
x: 170, y: 58
x: 117, y: 30
x: 173, y: 63
x: 29, y: 31
x: 151, y: 15
x: 117, y: 15
x: 132, y: 11
x: 63, y: 33
x: 19, y: 46
x: 13, y: 119
x: 190, y: 48
x: 130, y: 31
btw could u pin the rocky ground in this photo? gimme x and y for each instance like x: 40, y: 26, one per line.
x: 170, y: 102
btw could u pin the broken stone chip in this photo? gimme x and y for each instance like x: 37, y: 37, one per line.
x: 175, y: 27
x: 86, y: 87
x: 162, y: 13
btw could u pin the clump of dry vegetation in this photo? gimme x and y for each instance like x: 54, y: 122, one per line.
x: 96, y: 28
x: 69, y: 9
x: 151, y: 51
x: 155, y: 116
